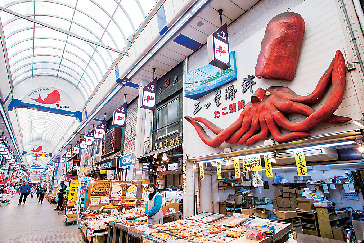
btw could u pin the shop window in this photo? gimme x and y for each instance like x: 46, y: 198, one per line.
x: 167, y: 118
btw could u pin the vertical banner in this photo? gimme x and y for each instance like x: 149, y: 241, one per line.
x: 89, y: 138
x: 76, y: 149
x: 148, y: 101
x: 72, y: 193
x: 218, y: 48
x: 83, y: 144
x: 237, y: 167
x: 255, y: 163
x: 100, y: 130
x: 119, y: 116
x: 300, y: 162
x: 218, y: 169
x: 202, y: 171
x: 268, y: 165
x: 184, y: 177
x: 69, y: 154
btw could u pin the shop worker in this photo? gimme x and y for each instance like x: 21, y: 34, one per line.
x: 61, y: 192
x: 154, y: 206
x: 24, y: 190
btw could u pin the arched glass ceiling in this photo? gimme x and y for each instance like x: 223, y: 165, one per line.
x: 76, y: 40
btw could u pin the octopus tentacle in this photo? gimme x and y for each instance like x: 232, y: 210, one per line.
x: 243, y: 129
x: 215, y: 129
x: 338, y: 119
x: 221, y: 137
x: 263, y: 134
x: 254, y: 128
x: 332, y: 103
x: 293, y: 107
x: 278, y: 136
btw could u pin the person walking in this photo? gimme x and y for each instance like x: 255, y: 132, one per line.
x: 24, y: 191
x: 41, y: 192
x: 153, y: 209
x: 61, y: 192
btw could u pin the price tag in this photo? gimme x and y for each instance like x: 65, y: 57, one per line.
x: 218, y: 169
x: 300, y: 162
x: 268, y: 165
x: 237, y: 167
x: 202, y: 172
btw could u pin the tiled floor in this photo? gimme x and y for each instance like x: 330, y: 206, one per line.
x: 33, y: 222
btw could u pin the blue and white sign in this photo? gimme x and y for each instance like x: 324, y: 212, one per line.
x: 202, y: 81
x: 126, y: 160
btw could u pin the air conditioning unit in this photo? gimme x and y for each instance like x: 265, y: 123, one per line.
x: 311, y: 154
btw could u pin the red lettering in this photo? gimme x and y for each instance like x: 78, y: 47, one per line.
x: 241, y: 104
x: 232, y: 108
x: 217, y: 114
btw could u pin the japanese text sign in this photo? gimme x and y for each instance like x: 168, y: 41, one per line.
x: 237, y: 167
x: 202, y: 171
x: 300, y: 162
x: 218, y: 169
x: 268, y: 165
x: 119, y: 116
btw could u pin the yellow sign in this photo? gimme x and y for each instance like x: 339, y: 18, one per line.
x: 83, y: 168
x: 72, y: 193
x: 300, y: 162
x: 202, y: 172
x: 268, y: 165
x: 218, y: 169
x: 255, y: 162
x: 102, y: 172
x: 237, y: 167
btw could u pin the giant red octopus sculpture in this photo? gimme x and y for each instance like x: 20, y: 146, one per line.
x: 266, y: 111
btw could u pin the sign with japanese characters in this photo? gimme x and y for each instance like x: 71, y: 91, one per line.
x: 268, y: 165
x: 119, y: 116
x: 255, y: 161
x: 168, y: 142
x: 218, y: 169
x: 72, y: 193
x: 218, y: 48
x: 100, y: 130
x: 202, y: 171
x: 149, y: 99
x: 116, y: 191
x: 300, y: 162
x: 237, y: 167
x: 100, y: 188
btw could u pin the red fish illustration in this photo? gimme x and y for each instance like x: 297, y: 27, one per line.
x: 37, y: 149
x: 220, y: 50
x: 51, y: 98
x: 149, y: 98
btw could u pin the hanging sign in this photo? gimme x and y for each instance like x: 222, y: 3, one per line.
x: 83, y: 144
x: 62, y: 160
x: 268, y: 165
x: 247, y: 165
x: 90, y: 138
x: 119, y: 117
x: 76, y: 150
x: 100, y: 130
x: 202, y: 171
x: 218, y: 169
x: 149, y: 101
x: 300, y: 162
x: 69, y: 154
x: 218, y: 48
x: 72, y: 193
x: 255, y: 162
x: 237, y: 167
x: 116, y: 191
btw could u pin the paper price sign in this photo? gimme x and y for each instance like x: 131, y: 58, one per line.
x: 268, y: 165
x: 300, y: 162
x: 218, y: 169
x: 237, y: 167
x: 202, y: 172
x: 255, y: 162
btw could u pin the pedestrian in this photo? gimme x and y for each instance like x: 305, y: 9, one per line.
x: 24, y: 191
x: 61, y: 192
x: 41, y: 192
x: 153, y: 208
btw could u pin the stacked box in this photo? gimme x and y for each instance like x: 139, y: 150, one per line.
x: 286, y: 199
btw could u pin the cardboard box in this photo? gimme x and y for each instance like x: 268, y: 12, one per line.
x: 286, y: 189
x: 338, y: 233
x: 278, y: 193
x: 286, y: 214
x: 306, y: 206
x: 247, y: 211
x: 286, y: 194
x: 261, y: 213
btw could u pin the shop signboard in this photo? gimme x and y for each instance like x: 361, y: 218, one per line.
x: 218, y: 169
x: 204, y: 80
x: 76, y: 149
x: 126, y: 160
x: 72, y: 193
x: 69, y: 154
x: 131, y: 192
x: 83, y: 144
x: 119, y: 116
x: 89, y: 138
x: 218, y: 48
x: 100, y: 130
x: 100, y: 188
x: 247, y: 164
x: 237, y: 168
x: 116, y: 191
x: 202, y: 171
x: 149, y: 99
x: 105, y: 200
x: 268, y: 165
x: 300, y: 162
x: 171, y: 141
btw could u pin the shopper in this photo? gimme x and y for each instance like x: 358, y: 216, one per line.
x: 61, y: 192
x: 41, y: 192
x: 24, y: 191
x: 153, y: 208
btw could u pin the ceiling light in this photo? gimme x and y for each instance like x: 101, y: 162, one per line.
x: 361, y: 149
